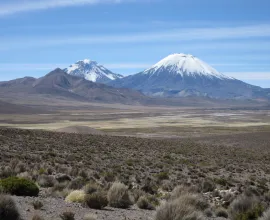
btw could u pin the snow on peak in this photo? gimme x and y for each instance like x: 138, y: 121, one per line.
x: 185, y: 64
x: 91, y: 71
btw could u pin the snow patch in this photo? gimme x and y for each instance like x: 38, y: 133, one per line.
x: 185, y: 64
x: 92, y: 71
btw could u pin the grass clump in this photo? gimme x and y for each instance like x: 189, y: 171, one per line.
x: 76, y: 196
x: 221, y: 212
x: 96, y: 200
x: 182, y: 205
x: 118, y: 196
x: 37, y: 205
x: 144, y: 203
x: 177, y: 210
x: 8, y: 209
x: 245, y: 208
x: 19, y: 186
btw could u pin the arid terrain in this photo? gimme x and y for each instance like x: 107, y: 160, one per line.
x: 220, y: 156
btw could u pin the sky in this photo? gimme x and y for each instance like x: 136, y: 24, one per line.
x: 128, y: 36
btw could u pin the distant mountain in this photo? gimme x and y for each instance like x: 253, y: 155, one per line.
x: 92, y: 71
x: 60, y: 84
x: 181, y: 75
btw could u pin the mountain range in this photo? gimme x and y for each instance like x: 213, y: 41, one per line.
x: 62, y: 85
x: 178, y: 79
x: 177, y: 75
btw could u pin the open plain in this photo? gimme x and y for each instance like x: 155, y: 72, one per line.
x: 219, y: 155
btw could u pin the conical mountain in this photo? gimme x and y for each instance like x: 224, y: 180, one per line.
x: 181, y: 75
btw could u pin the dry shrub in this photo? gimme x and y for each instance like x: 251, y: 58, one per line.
x: 221, y: 212
x: 177, y: 210
x: 118, y: 196
x: 245, y: 207
x: 37, y: 204
x: 76, y: 196
x: 182, y: 205
x: 46, y: 181
x: 144, y: 203
x: 96, y: 200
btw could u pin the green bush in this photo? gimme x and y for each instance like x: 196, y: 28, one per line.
x: 8, y: 209
x: 96, y: 200
x: 19, y: 186
x: 162, y: 176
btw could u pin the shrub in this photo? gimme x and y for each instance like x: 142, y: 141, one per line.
x: 8, y: 209
x: 90, y: 217
x: 77, y: 183
x: 208, y: 186
x: 76, y: 196
x: 19, y: 186
x: 180, y: 191
x: 221, y: 212
x: 62, y: 178
x: 137, y: 193
x: 177, y: 210
x: 46, y: 181
x: 163, y: 176
x: 144, y: 203
x: 96, y: 200
x: 91, y: 188
x: 266, y: 215
x: 194, y: 200
x: 118, y: 196
x: 67, y: 216
x: 244, y: 208
x: 37, y: 205
x: 182, y: 205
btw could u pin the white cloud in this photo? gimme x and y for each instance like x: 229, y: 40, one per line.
x: 127, y: 65
x: 171, y: 36
x: 249, y: 75
x: 49, y: 66
x: 9, y: 67
x: 33, y: 5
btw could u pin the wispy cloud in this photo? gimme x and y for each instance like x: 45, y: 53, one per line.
x: 249, y: 75
x: 49, y: 66
x: 128, y: 65
x: 169, y: 36
x: 33, y: 5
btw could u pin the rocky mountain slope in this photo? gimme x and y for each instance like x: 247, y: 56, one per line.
x: 60, y: 84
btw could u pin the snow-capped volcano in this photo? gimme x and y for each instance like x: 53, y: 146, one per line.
x: 92, y: 71
x: 180, y: 75
x: 185, y: 64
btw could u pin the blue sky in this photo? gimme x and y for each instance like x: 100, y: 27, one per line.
x: 128, y: 36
